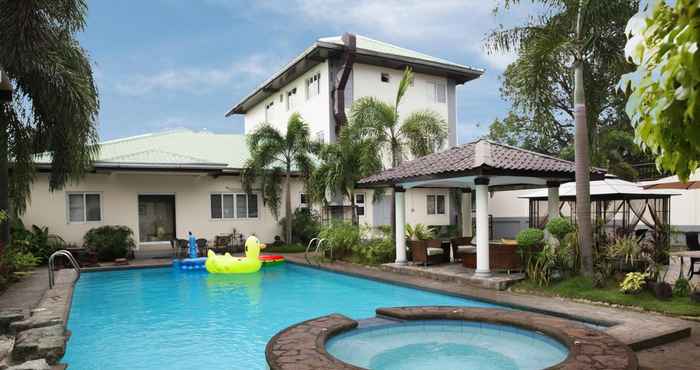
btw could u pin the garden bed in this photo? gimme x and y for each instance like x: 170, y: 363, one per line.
x: 582, y: 288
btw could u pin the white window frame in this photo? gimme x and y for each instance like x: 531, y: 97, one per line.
x: 358, y: 206
x: 435, y: 204
x: 313, y: 86
x: 291, y: 99
x: 235, y: 206
x: 438, y: 92
x: 269, y: 111
x: 85, y: 220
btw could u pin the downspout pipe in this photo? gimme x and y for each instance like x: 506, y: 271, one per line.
x: 348, y: 58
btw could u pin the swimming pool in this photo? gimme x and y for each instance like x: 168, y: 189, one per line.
x: 161, y: 318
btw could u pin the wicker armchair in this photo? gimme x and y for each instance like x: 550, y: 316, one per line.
x: 461, y: 246
x: 428, y: 252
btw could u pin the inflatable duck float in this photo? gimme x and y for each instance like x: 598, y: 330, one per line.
x: 227, y: 264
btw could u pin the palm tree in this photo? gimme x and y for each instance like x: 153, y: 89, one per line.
x: 54, y: 103
x: 342, y: 165
x: 275, y: 156
x: 421, y: 133
x: 568, y: 27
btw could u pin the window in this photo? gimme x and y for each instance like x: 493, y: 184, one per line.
x: 313, y: 86
x: 436, y: 204
x: 360, y: 204
x: 303, y: 200
x: 385, y: 77
x: 269, y: 112
x: 321, y: 137
x: 291, y: 98
x: 230, y: 205
x: 84, y: 207
x: 438, y: 92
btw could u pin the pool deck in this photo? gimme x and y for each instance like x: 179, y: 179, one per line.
x: 639, y: 330
x: 661, y: 342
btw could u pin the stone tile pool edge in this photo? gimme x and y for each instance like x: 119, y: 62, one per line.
x: 302, y: 346
x: 638, y: 330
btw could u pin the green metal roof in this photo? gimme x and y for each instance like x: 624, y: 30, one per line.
x: 168, y: 149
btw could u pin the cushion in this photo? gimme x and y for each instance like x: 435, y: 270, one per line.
x: 509, y: 242
x: 466, y: 249
x: 435, y: 251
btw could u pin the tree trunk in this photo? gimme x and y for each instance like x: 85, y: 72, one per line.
x: 4, y: 183
x: 583, y: 197
x: 288, y: 205
x: 353, y: 216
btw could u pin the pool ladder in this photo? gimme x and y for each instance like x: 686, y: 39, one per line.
x: 320, y: 242
x: 70, y: 257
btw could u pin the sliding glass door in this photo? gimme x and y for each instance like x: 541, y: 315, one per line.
x: 156, y: 218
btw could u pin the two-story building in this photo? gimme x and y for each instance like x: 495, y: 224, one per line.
x: 325, y: 79
x: 163, y: 185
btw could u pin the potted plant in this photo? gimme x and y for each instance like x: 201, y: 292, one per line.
x: 625, y: 251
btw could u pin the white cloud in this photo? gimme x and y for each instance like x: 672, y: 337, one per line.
x: 195, y: 79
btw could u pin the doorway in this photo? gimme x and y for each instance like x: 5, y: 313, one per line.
x: 156, y: 218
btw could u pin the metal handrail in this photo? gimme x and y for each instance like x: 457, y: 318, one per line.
x: 319, y: 249
x: 70, y: 257
x: 308, y: 247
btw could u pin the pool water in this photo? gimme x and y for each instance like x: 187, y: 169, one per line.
x: 447, y: 345
x: 162, y: 318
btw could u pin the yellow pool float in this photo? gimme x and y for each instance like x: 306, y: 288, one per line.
x: 227, y: 264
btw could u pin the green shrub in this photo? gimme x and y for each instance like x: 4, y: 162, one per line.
x: 110, y: 242
x: 374, y: 252
x: 529, y: 238
x: 682, y: 287
x: 342, y: 236
x: 419, y: 232
x: 37, y: 241
x: 633, y: 283
x: 625, y: 248
x: 306, y: 224
x: 18, y: 261
x: 559, y: 227
x: 540, y: 266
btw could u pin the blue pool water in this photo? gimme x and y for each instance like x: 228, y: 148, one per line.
x: 447, y: 345
x: 162, y: 318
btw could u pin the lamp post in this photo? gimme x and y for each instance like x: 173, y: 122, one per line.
x: 5, y: 98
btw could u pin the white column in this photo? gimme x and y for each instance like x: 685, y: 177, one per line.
x: 467, y: 212
x: 400, y: 211
x: 552, y: 205
x: 482, y: 227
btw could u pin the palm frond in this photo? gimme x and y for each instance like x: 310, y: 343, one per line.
x: 425, y: 132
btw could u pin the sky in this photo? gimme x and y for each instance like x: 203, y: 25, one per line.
x: 167, y: 64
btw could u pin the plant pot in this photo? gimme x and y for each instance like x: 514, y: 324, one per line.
x: 651, y: 285
x: 695, y: 296
x: 663, y: 290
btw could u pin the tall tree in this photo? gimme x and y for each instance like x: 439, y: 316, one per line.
x: 275, y: 156
x: 421, y: 133
x: 55, y: 100
x: 664, y: 103
x: 342, y: 164
x: 581, y: 33
x: 540, y: 86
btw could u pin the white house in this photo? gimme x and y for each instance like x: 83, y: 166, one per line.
x: 163, y: 185
x: 322, y: 82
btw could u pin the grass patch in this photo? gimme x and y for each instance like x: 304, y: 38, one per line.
x: 582, y: 288
x: 285, y: 248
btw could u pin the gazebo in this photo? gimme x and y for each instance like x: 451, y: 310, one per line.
x: 617, y: 206
x: 481, y: 166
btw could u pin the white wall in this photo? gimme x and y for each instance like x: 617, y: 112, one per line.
x: 315, y: 110
x: 120, y: 204
x: 507, y: 204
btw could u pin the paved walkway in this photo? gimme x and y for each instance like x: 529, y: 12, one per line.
x: 26, y: 293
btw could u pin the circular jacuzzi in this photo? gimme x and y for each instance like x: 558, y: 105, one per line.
x: 446, y: 345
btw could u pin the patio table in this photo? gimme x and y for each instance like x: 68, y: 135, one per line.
x: 694, y: 257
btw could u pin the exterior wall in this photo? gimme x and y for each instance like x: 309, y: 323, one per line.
x: 509, y: 213
x: 416, y: 207
x: 315, y: 111
x: 120, y: 205
x: 367, y: 82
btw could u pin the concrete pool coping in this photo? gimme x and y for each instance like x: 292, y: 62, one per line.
x: 303, y: 346
x: 637, y: 329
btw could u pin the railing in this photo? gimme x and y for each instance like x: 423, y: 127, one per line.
x: 319, y: 243
x: 70, y: 257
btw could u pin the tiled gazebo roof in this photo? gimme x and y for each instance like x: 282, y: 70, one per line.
x: 479, y: 158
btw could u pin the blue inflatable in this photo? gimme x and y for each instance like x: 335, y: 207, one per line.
x: 190, y: 264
